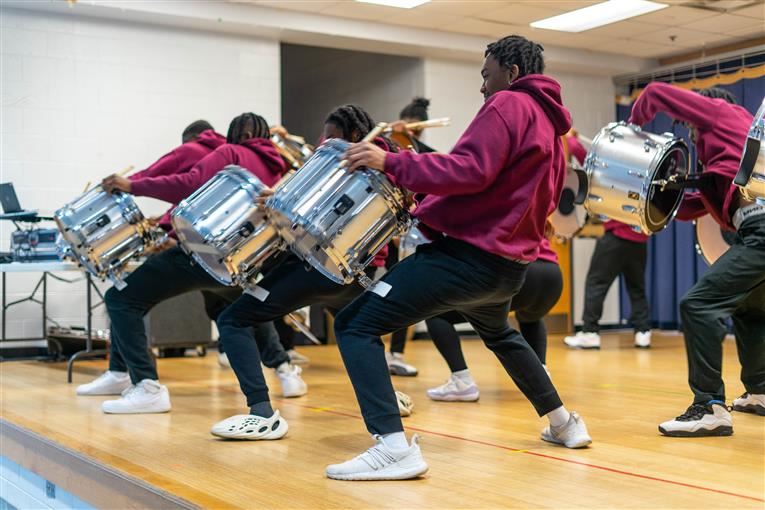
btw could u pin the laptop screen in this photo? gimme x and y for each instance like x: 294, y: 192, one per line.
x: 8, y: 198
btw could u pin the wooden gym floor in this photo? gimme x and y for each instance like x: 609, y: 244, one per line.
x: 481, y: 455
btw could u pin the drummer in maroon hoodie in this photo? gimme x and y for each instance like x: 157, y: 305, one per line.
x: 198, y: 140
x: 485, y: 208
x: 735, y: 284
x: 171, y: 272
x: 287, y: 288
x: 620, y: 251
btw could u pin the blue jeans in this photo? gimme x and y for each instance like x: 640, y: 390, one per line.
x: 445, y: 275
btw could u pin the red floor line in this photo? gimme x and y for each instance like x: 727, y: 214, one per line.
x: 543, y: 455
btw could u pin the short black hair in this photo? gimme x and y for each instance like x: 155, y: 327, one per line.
x: 350, y: 118
x: 517, y: 50
x: 718, y: 93
x: 195, y: 129
x: 239, y: 128
x: 417, y: 109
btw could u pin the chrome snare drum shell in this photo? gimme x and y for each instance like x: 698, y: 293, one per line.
x: 751, y: 174
x: 409, y: 242
x: 334, y: 219
x: 103, y: 231
x: 623, y: 167
x: 222, y: 228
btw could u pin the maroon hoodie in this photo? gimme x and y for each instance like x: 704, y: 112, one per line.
x: 181, y: 160
x: 257, y: 155
x: 504, y: 177
x: 722, y: 130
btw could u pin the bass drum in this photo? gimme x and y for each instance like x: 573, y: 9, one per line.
x: 711, y: 240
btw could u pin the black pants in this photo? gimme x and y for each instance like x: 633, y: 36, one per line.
x: 614, y: 256
x: 539, y: 293
x: 286, y: 288
x: 398, y: 337
x: 445, y: 275
x: 163, y: 276
x: 733, y: 287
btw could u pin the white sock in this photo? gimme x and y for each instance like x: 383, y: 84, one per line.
x: 558, y: 417
x: 395, y: 441
x: 464, y: 376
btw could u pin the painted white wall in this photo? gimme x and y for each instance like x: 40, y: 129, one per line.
x: 83, y: 97
x: 316, y: 80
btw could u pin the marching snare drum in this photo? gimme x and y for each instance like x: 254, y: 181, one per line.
x: 222, y: 228
x: 103, y: 231
x: 626, y: 170
x: 334, y: 219
x: 711, y: 240
x: 751, y: 174
x: 293, y: 149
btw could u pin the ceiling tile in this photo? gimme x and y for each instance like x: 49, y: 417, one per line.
x: 754, y: 11
x: 638, y: 48
x: 356, y: 10
x: 520, y: 13
x: 476, y: 27
x: 622, y: 29
x: 679, y: 37
x: 293, y: 5
x: 461, y: 7
x: 724, y: 24
x: 425, y: 19
x: 675, y: 15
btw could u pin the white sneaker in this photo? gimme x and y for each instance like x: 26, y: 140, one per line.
x: 147, y: 396
x: 583, y: 340
x: 397, y: 365
x: 251, y: 427
x: 292, y: 384
x: 455, y: 390
x: 750, y: 403
x: 382, y: 463
x: 700, y: 420
x: 108, y: 383
x: 643, y: 339
x: 571, y: 435
x: 223, y: 360
x: 405, y: 404
x: 298, y: 359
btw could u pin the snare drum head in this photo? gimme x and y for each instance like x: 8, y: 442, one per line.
x: 568, y: 218
x: 661, y: 206
x: 711, y: 240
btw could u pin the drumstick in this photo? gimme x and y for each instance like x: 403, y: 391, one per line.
x: 586, y: 140
x: 125, y: 171
x: 87, y: 185
x: 371, y: 136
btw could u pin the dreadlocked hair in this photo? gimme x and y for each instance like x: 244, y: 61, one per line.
x: 718, y: 93
x: 519, y: 51
x: 417, y: 109
x: 246, y: 126
x: 351, y: 118
x: 195, y: 129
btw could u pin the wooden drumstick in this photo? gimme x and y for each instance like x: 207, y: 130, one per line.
x: 125, y: 171
x: 87, y: 186
x: 370, y: 136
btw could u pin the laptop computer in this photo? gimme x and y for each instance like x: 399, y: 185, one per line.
x: 11, y: 208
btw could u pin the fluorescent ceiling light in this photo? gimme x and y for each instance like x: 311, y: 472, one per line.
x: 598, y: 15
x: 403, y: 4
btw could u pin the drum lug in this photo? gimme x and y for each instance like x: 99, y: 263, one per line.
x: 649, y: 144
x: 365, y: 281
x: 612, y: 136
x: 630, y: 209
x: 637, y: 174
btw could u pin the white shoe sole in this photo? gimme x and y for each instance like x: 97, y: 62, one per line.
x: 279, y: 433
x: 393, y: 474
x: 581, y: 443
x: 101, y: 393
x: 750, y: 408
x: 722, y: 430
x: 473, y: 397
x: 137, y: 411
x: 294, y: 394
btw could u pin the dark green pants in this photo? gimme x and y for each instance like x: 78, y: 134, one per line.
x: 733, y: 287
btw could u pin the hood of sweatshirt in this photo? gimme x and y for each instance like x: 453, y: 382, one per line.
x: 211, y: 139
x: 546, y: 92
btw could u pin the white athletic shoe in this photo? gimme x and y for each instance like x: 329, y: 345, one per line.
x: 583, y: 340
x: 455, y: 390
x: 749, y: 403
x: 571, y: 435
x: 643, y: 339
x: 382, y: 463
x: 298, y: 359
x: 700, y: 420
x: 405, y: 404
x: 397, y: 365
x: 147, y: 396
x: 108, y: 383
x: 251, y: 427
x: 292, y: 384
x: 223, y: 360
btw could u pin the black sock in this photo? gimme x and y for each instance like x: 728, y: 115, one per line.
x: 262, y: 409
